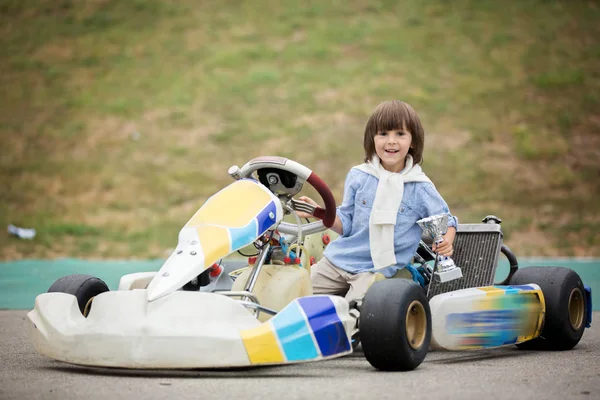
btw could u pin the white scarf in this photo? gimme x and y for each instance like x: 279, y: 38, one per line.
x: 388, y: 197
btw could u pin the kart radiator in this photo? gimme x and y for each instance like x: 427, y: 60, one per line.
x: 476, y: 250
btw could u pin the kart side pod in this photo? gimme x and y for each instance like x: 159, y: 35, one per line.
x: 486, y: 317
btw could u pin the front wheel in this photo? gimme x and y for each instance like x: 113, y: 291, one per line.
x: 395, y: 325
x: 564, y: 295
x: 83, y: 287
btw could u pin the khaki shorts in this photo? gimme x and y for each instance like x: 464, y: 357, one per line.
x: 328, y: 279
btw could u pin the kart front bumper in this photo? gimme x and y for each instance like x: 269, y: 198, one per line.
x: 186, y: 330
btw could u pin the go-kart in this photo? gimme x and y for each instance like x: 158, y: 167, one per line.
x: 207, y: 307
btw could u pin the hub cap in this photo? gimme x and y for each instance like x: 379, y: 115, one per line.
x: 576, y: 308
x: 416, y: 324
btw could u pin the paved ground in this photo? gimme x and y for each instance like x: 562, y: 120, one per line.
x: 506, y: 373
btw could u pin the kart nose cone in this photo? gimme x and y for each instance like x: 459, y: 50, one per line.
x: 181, y: 267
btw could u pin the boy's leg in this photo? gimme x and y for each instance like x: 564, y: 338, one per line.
x: 359, y: 284
x: 403, y: 273
x: 326, y: 278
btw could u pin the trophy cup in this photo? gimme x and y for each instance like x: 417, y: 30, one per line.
x: 444, y: 268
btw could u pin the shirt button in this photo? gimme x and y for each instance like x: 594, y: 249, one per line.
x: 402, y: 209
x: 364, y: 202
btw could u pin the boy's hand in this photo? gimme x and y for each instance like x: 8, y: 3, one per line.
x: 445, y: 248
x: 310, y: 201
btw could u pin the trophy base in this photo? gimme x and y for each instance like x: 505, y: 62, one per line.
x: 448, y: 275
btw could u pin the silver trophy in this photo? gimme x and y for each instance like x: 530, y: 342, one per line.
x: 444, y: 269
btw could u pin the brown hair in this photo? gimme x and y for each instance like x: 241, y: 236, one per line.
x: 391, y: 115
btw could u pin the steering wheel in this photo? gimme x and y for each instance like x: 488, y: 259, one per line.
x: 326, y: 215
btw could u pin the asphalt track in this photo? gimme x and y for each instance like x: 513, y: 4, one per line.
x: 504, y: 373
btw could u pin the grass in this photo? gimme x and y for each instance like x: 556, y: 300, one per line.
x: 119, y: 119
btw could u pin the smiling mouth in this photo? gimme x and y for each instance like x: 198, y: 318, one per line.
x: 392, y: 151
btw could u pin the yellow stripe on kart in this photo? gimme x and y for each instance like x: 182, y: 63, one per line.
x: 537, y: 309
x: 261, y: 345
x: 215, y: 242
x: 492, y: 291
x: 224, y: 207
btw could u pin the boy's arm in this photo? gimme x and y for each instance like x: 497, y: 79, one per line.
x: 345, y: 210
x: 337, y: 226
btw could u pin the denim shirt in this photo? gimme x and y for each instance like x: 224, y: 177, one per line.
x: 351, y: 250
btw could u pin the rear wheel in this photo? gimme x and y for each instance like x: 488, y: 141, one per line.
x: 395, y: 325
x: 564, y: 295
x: 83, y: 287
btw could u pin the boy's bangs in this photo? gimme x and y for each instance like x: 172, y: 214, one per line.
x: 390, y: 117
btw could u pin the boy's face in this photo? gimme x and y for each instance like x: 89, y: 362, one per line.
x: 392, y: 147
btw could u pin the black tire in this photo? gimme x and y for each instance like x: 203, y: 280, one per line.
x: 83, y: 287
x: 564, y: 295
x: 395, y: 325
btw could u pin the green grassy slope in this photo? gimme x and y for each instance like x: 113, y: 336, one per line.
x: 118, y: 119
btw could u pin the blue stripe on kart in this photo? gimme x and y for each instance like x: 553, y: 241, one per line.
x: 241, y: 237
x: 522, y: 287
x: 264, y: 220
x: 511, y: 289
x: 294, y: 334
x: 588, y: 305
x: 514, y: 288
x: 326, y: 325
